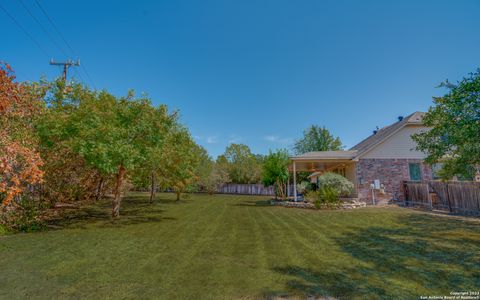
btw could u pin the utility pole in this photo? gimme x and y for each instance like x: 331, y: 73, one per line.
x: 66, y: 64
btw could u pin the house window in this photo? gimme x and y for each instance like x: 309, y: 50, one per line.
x: 436, y: 168
x: 415, y: 171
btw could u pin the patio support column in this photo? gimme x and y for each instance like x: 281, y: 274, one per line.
x: 294, y: 182
x: 288, y: 186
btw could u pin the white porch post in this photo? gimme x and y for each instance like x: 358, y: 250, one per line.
x: 288, y: 186
x: 294, y: 182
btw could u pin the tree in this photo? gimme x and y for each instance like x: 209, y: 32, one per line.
x: 275, y: 171
x: 20, y: 162
x: 148, y: 171
x: 211, y: 175
x: 454, y: 123
x: 181, y: 156
x: 111, y: 135
x: 317, y: 138
x: 67, y: 175
x: 241, y: 164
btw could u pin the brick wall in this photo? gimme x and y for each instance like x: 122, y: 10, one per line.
x: 390, y: 172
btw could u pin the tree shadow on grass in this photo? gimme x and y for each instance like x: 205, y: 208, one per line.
x: 420, y: 253
x: 438, y: 253
x: 337, y: 282
x: 134, y: 210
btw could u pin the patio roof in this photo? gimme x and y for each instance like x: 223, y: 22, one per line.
x: 326, y: 155
x: 321, y: 160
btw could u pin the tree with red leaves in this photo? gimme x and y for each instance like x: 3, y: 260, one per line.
x: 20, y: 163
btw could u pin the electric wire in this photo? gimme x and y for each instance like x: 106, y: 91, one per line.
x: 57, y: 30
x: 24, y: 30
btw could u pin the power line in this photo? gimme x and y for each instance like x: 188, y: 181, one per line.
x: 42, y: 27
x: 48, y: 35
x: 88, y: 75
x: 63, y: 39
x: 24, y: 30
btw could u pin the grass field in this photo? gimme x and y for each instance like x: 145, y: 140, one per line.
x: 225, y: 247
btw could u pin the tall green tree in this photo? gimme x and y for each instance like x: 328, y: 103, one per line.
x: 241, y: 164
x: 454, y: 121
x: 275, y: 171
x: 181, y: 158
x: 211, y: 175
x: 111, y: 135
x: 148, y: 171
x: 316, y: 138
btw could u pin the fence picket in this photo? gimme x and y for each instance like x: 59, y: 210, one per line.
x: 454, y: 196
x: 249, y: 189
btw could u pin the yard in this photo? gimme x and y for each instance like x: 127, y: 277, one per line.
x: 225, y: 246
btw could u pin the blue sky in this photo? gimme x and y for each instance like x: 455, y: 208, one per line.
x: 258, y: 72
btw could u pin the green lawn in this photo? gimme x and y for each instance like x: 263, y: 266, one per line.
x: 225, y: 247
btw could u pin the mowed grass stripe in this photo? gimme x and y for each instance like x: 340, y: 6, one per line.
x: 195, y: 242
x: 230, y: 247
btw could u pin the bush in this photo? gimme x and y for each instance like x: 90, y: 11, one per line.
x: 326, y: 197
x: 311, y: 196
x: 26, y: 217
x: 3, y: 230
x: 328, y: 194
x: 336, y: 182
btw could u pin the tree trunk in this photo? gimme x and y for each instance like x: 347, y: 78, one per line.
x: 178, y: 196
x: 118, y: 191
x: 153, y: 188
x: 98, y: 194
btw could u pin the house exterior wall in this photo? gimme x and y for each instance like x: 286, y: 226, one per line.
x: 400, y: 145
x: 390, y: 172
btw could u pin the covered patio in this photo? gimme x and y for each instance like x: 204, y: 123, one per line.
x: 317, y: 163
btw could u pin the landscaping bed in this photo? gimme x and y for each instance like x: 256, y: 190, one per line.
x: 344, y: 203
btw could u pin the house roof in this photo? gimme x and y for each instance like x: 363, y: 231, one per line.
x: 364, y: 146
x: 385, y: 132
x: 327, y: 155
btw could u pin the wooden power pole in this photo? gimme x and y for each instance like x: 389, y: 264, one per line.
x: 66, y: 64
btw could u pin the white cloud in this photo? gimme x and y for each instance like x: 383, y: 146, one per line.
x: 277, y: 139
x: 212, y: 139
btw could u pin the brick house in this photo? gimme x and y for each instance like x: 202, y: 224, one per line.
x: 377, y: 165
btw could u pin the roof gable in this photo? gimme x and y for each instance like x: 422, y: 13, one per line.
x: 384, y: 133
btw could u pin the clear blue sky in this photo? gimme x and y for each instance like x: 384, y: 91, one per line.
x: 259, y: 72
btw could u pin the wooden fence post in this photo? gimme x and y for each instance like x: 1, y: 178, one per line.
x: 429, y: 198
x: 447, y: 192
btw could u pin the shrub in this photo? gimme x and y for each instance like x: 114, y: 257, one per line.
x: 3, y: 230
x: 337, y: 182
x: 26, y: 217
x: 326, y: 197
x: 311, y: 196
x: 328, y: 194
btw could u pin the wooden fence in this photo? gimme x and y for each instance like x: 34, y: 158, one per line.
x: 249, y: 189
x: 454, y: 196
